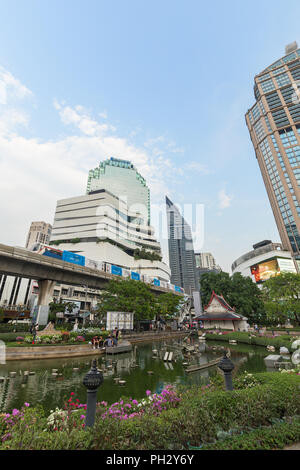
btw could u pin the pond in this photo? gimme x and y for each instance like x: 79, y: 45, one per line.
x: 41, y: 387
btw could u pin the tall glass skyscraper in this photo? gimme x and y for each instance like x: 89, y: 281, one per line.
x: 181, y: 251
x: 121, y: 178
x: 274, y: 126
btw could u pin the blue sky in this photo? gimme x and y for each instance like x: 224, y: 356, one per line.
x: 163, y: 83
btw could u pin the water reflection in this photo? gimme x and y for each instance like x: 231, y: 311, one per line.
x: 143, y: 369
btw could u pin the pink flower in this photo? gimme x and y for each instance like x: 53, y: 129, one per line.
x: 26, y: 404
x: 148, y: 392
x: 82, y: 417
x: 15, y: 412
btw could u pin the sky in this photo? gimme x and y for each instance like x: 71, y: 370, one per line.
x: 165, y: 84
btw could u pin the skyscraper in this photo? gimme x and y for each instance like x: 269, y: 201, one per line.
x: 39, y: 232
x: 103, y: 227
x: 122, y: 179
x: 274, y: 126
x: 181, y: 251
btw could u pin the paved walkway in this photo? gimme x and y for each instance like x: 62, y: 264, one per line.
x: 293, y: 447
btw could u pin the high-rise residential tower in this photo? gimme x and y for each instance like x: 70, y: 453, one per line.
x: 181, y: 251
x: 39, y: 232
x: 274, y: 126
x: 122, y: 179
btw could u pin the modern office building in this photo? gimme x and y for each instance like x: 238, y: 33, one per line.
x: 266, y: 260
x: 274, y: 126
x: 206, y: 263
x: 17, y: 291
x: 181, y: 251
x: 101, y: 227
x: 121, y: 178
x: 39, y: 232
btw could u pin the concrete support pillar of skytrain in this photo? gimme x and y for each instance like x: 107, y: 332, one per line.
x: 46, y: 288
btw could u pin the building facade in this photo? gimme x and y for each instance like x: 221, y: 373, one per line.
x: 205, y: 264
x: 101, y: 227
x: 266, y: 260
x: 274, y: 126
x: 16, y: 292
x: 121, y: 178
x: 39, y: 232
x: 181, y: 251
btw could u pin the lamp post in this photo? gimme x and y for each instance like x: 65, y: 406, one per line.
x: 92, y: 380
x: 227, y: 366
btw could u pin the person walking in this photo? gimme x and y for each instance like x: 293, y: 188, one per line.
x: 34, y: 332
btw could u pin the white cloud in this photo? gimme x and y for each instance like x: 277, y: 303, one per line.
x: 198, y: 167
x: 224, y: 199
x: 11, y: 87
x: 80, y: 118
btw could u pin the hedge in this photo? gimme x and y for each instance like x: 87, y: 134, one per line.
x: 246, y: 338
x: 273, y: 437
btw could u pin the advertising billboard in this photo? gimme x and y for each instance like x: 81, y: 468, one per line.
x: 265, y: 270
x: 120, y: 320
x: 286, y: 265
x: 73, y: 258
x: 135, y: 276
x: 75, y: 307
x: 116, y: 270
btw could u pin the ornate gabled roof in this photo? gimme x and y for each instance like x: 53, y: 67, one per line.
x: 221, y: 301
x: 226, y: 313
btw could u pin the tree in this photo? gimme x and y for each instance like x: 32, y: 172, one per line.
x: 240, y: 292
x: 282, y: 297
x: 1, y: 315
x: 128, y: 296
x: 167, y: 305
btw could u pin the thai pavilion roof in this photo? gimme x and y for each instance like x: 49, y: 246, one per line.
x: 228, y: 312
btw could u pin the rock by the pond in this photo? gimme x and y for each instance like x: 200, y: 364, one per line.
x: 31, y: 372
x: 1, y: 379
x: 75, y: 368
x: 271, y: 359
x: 54, y: 370
x: 150, y: 372
x: 13, y: 374
x: 296, y: 344
x: 284, y: 350
x: 122, y: 382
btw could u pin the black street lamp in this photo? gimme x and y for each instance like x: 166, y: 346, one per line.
x: 92, y: 380
x: 227, y: 366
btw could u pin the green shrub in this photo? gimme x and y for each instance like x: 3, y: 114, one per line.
x: 249, y: 338
x: 265, y: 438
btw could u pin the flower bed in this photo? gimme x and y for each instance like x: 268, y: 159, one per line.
x: 173, y: 419
x: 65, y: 337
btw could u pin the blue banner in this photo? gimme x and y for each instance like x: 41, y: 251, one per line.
x: 156, y: 282
x: 178, y: 289
x: 73, y: 258
x: 116, y: 270
x: 52, y: 254
x: 135, y: 276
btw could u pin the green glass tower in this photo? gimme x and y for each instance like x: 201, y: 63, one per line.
x: 122, y: 179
